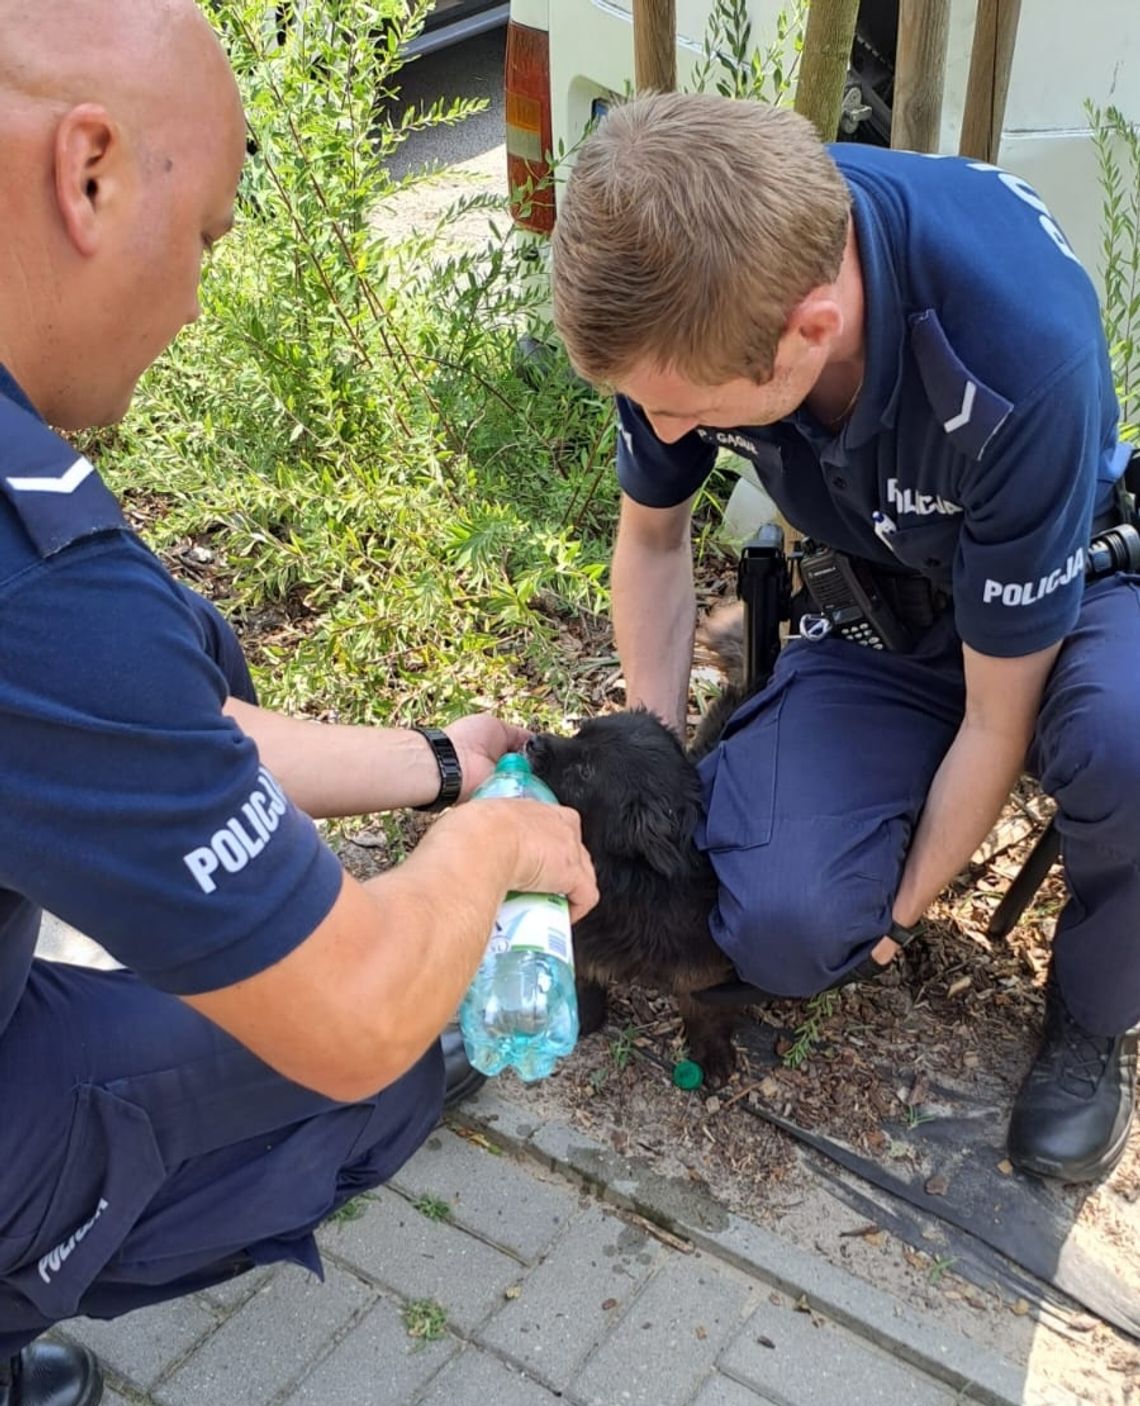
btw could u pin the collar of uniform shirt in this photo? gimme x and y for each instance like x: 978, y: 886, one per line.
x: 10, y: 388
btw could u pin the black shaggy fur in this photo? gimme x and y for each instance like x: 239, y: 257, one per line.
x: 637, y: 792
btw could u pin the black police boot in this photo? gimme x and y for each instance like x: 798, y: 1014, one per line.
x: 460, y: 1079
x: 51, y: 1374
x: 1073, y: 1112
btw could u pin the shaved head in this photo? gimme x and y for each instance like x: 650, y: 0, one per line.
x: 123, y: 142
x: 98, y: 50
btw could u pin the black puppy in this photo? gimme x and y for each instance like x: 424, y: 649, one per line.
x: 639, y: 797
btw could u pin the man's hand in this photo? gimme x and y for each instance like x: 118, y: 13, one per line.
x: 539, y: 845
x: 480, y: 741
x: 654, y: 608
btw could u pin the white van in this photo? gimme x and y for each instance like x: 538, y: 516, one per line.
x: 567, y: 58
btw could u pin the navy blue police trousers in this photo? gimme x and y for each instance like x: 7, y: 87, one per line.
x: 813, y: 794
x: 148, y: 1155
x: 152, y: 1155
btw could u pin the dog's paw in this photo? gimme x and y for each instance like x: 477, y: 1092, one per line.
x: 717, y: 1058
x: 591, y: 1007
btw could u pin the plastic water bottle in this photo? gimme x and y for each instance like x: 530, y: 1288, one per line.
x: 521, y: 1009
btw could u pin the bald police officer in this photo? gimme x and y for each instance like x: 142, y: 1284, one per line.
x: 273, y: 1044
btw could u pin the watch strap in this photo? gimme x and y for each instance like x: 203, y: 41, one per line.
x: 900, y: 935
x: 450, y: 771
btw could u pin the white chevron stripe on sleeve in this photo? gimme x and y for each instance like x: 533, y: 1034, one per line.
x: 66, y: 483
x: 956, y: 422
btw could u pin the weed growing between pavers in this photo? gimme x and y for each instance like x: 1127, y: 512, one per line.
x: 425, y: 1320
x: 350, y: 1211
x: 433, y: 1208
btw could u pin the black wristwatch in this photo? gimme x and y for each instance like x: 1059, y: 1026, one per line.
x: 902, y: 936
x: 450, y: 772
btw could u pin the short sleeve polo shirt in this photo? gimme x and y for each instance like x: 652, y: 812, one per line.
x: 985, y: 434
x: 133, y: 807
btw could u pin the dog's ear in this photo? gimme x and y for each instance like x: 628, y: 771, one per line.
x: 658, y: 833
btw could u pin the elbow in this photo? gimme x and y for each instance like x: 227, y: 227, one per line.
x: 353, y: 1074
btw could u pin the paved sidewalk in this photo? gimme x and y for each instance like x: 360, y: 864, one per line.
x: 534, y: 1291
x: 540, y: 1294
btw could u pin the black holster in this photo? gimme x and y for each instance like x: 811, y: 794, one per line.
x: 763, y: 583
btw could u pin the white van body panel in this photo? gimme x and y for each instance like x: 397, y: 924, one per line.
x: 1066, y: 54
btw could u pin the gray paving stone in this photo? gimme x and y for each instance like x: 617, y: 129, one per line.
x: 145, y: 1345
x: 265, y: 1345
x: 980, y: 1372
x: 669, y: 1338
x: 112, y: 1398
x: 501, y: 1117
x: 493, y: 1196
x: 571, y: 1300
x: 234, y: 1292
x: 473, y: 1377
x: 814, y: 1363
x: 723, y: 1391
x: 423, y: 1259
x: 376, y: 1365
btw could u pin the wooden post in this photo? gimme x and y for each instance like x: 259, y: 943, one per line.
x: 655, y: 45
x: 920, y: 71
x: 828, y: 38
x: 991, y: 58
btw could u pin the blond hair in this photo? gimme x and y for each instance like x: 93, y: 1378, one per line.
x: 690, y: 228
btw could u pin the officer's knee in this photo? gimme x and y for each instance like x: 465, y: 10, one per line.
x: 797, y: 940
x: 1103, y: 770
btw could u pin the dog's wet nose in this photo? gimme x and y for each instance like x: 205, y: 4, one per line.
x: 537, y: 750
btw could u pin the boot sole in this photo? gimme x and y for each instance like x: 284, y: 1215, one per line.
x: 1085, y: 1171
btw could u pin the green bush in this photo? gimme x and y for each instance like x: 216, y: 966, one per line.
x: 400, y: 523
x: 1118, y: 152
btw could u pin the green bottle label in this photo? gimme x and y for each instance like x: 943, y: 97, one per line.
x: 533, y: 922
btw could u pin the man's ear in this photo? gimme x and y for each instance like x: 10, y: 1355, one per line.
x: 88, y: 172
x: 818, y: 318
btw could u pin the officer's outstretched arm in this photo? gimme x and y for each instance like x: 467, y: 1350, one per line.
x: 359, y: 1001
x: 972, y: 784
x: 332, y: 769
x: 654, y: 607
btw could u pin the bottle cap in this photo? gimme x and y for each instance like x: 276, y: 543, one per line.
x: 688, y: 1075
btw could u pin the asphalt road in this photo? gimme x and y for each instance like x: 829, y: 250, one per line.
x: 467, y: 159
x: 472, y: 69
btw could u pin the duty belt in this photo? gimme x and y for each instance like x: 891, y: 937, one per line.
x: 860, y: 602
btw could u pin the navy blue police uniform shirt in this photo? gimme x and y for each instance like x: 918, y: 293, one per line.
x: 132, y: 807
x: 985, y: 434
